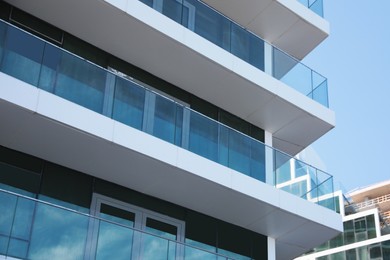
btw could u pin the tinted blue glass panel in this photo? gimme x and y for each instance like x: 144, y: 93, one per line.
x: 81, y: 82
x: 157, y: 248
x: 164, y: 119
x: 7, y: 208
x: 3, y: 244
x: 299, y: 188
x: 196, y: 252
x: 3, y: 30
x: 203, y: 137
x: 57, y: 234
x: 172, y: 9
x: 22, y: 221
x: 300, y: 169
x: 114, y: 242
x: 18, y: 248
x: 282, y: 167
x: 129, y: 102
x: 320, y: 94
x: 147, y: 2
x: 317, y: 6
x: 20, y: 61
x: 257, y: 160
x: 247, y: 46
x: 239, y: 152
x: 207, y: 23
x: 50, y: 62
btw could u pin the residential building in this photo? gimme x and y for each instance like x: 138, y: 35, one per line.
x: 159, y: 129
x: 366, y: 217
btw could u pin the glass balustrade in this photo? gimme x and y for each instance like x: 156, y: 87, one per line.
x: 61, y: 73
x: 316, y: 6
x: 35, y: 229
x: 216, y: 28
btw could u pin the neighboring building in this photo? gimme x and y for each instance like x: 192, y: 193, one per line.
x: 366, y: 217
x: 161, y: 129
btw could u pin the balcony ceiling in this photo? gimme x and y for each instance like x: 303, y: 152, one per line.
x: 286, y: 24
x: 153, y: 42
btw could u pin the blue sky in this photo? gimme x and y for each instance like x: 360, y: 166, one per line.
x: 356, y: 60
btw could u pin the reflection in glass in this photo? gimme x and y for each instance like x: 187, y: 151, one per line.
x: 129, y: 101
x: 203, y: 137
x: 247, y: 46
x: 21, y: 62
x: 164, y: 118
x: 57, y: 234
x: 80, y: 82
x: 207, y: 23
x: 114, y: 241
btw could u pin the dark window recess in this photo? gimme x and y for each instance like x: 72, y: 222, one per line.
x: 201, y: 228
x: 36, y: 26
x: 66, y: 185
x: 117, y: 212
x: 234, y: 122
x: 204, y: 107
x: 5, y: 10
x: 19, y: 178
x: 138, y: 199
x: 234, y: 239
x: 20, y: 160
x: 85, y: 50
x: 161, y: 226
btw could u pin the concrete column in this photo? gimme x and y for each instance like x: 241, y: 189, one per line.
x: 268, y: 59
x: 269, y: 159
x: 271, y: 244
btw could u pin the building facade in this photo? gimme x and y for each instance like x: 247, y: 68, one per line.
x: 161, y: 129
x: 366, y: 217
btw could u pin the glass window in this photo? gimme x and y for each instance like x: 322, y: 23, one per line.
x: 351, y: 254
x: 371, y: 231
x: 360, y: 229
x: 349, y: 232
x: 386, y: 250
x: 375, y: 251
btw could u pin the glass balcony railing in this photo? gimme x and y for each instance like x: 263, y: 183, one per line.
x: 61, y: 73
x: 218, y: 29
x: 316, y: 6
x: 34, y: 229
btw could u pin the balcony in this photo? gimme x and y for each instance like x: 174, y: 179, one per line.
x: 63, y: 74
x: 223, y: 32
x: 295, y: 26
x: 35, y: 229
x: 202, y: 68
